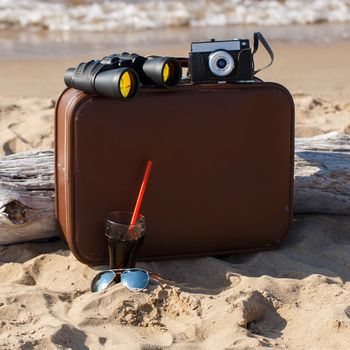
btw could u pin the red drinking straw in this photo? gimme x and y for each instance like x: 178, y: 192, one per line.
x: 141, y: 193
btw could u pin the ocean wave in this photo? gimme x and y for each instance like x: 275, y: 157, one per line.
x: 121, y: 16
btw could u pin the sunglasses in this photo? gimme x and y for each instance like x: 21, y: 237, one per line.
x: 134, y: 279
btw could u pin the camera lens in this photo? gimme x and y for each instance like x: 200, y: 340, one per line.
x: 221, y: 63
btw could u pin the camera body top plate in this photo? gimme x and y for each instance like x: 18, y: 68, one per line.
x: 213, y: 45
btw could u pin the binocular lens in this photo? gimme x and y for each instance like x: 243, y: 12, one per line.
x: 121, y: 83
x: 166, y: 72
x: 163, y: 71
x: 125, y: 84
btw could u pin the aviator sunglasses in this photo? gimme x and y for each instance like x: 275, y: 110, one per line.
x: 134, y: 279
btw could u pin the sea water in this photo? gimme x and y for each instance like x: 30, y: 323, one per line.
x: 122, y: 16
x: 34, y: 28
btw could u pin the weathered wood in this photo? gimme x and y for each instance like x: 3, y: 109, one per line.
x: 27, y: 204
x: 322, y: 185
x: 322, y: 174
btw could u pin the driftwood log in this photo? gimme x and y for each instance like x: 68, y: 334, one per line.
x: 27, y: 205
x: 322, y: 185
x: 322, y: 174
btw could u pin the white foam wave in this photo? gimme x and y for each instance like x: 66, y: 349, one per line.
x: 122, y: 16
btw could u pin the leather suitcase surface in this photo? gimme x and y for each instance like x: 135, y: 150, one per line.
x: 222, y: 178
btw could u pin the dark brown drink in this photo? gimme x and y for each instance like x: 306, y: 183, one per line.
x: 124, y: 240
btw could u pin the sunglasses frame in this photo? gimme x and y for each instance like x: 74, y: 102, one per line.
x: 120, y: 272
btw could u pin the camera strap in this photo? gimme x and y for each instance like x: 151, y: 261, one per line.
x: 259, y: 37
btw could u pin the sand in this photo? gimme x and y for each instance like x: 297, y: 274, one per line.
x: 321, y: 70
x: 295, y: 297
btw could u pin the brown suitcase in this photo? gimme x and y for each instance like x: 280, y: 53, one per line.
x: 222, y: 179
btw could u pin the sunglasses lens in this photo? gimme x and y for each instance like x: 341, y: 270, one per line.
x: 102, y: 281
x: 135, y: 280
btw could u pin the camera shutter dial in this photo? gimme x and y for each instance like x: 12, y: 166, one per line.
x: 221, y: 63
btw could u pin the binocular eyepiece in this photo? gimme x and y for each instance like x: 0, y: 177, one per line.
x: 119, y: 76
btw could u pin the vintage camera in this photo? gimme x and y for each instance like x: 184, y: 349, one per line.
x: 119, y: 75
x: 216, y: 61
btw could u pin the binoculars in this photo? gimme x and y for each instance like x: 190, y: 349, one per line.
x: 120, y: 75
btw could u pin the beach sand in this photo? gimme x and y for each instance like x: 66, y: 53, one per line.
x: 296, y: 296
